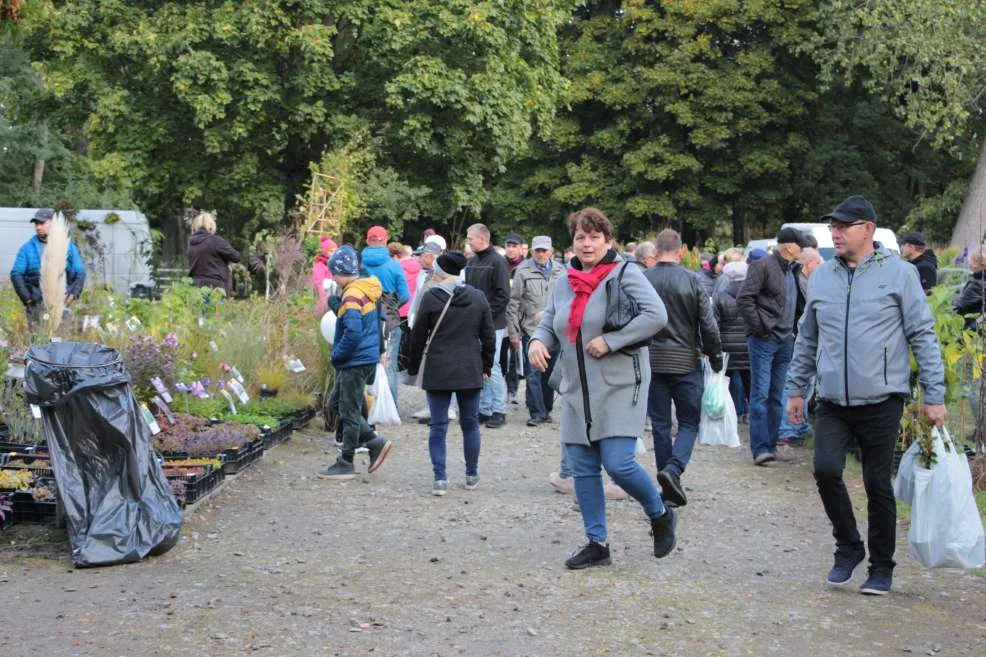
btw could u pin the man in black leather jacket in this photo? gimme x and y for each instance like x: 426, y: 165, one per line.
x: 676, y: 370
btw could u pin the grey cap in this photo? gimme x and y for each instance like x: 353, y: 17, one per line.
x: 42, y: 215
x: 432, y: 248
x: 541, y: 242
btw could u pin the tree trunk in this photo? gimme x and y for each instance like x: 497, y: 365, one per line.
x: 38, y: 176
x: 972, y: 222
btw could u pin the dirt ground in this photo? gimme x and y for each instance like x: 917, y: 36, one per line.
x: 278, y: 563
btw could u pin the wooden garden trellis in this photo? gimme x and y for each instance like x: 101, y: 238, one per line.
x: 323, y: 213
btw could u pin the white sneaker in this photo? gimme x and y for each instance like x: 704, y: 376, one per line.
x: 423, y: 414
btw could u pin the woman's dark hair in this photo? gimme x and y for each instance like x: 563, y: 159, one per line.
x: 590, y: 220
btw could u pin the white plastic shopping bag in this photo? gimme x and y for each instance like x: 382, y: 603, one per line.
x: 946, y: 530
x: 904, y: 483
x: 384, y: 410
x: 724, y: 429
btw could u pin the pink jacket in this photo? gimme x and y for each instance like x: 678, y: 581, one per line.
x: 320, y: 271
x: 411, y: 268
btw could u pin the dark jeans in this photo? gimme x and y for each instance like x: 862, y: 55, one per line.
x: 539, y: 396
x: 686, y: 392
x: 739, y: 385
x: 874, y: 427
x: 769, y: 359
x: 438, y: 402
x: 508, y: 365
x: 347, y: 398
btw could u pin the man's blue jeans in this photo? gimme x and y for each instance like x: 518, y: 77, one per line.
x: 769, y: 359
x: 686, y: 392
x: 538, y: 395
x: 438, y: 403
x: 494, y: 396
x: 796, y: 431
x: 616, y: 455
x: 738, y: 392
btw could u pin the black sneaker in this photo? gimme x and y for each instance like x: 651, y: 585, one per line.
x: 379, y: 449
x: 845, y: 563
x: 879, y: 582
x: 671, y: 489
x: 591, y: 554
x: 535, y: 421
x: 338, y: 471
x: 483, y: 418
x: 663, y: 529
x: 496, y: 421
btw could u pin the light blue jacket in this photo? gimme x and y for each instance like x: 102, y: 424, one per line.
x: 856, y: 330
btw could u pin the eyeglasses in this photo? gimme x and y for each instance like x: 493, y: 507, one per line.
x: 844, y: 226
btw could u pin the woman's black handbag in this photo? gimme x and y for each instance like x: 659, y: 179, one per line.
x: 621, y: 307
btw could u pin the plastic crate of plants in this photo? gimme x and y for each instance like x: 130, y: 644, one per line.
x: 278, y: 435
x: 238, y: 458
x: 39, y: 465
x: 302, y: 417
x: 195, y: 481
x: 36, y: 504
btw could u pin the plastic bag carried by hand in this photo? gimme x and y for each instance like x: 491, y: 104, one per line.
x: 904, y: 483
x: 714, y: 397
x: 384, y: 410
x: 724, y: 429
x: 946, y: 529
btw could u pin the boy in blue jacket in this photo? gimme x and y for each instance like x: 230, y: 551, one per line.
x: 355, y: 354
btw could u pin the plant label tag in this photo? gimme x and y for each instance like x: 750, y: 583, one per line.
x: 201, y: 321
x: 161, y: 389
x: 213, y: 345
x: 55, y: 339
x: 229, y: 398
x: 296, y: 366
x: 237, y: 388
x: 35, y: 411
x: 163, y: 407
x: 239, y: 377
x: 149, y: 419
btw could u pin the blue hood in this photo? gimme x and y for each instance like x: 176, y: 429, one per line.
x: 374, y: 256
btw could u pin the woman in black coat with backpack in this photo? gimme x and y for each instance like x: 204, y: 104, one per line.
x: 452, y: 344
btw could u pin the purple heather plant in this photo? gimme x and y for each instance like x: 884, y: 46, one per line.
x: 147, y: 358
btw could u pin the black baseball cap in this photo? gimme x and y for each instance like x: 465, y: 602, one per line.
x: 790, y: 235
x: 854, y: 209
x: 914, y: 237
x: 513, y: 238
x: 42, y: 215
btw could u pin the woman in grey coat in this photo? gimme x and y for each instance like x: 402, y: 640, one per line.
x: 603, y: 381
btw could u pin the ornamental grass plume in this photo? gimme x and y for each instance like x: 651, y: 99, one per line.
x: 53, y: 261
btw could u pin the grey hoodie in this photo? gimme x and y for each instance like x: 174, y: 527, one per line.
x: 856, y: 329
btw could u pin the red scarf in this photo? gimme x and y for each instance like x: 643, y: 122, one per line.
x: 583, y: 284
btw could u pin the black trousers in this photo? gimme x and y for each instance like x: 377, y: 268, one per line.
x: 874, y: 428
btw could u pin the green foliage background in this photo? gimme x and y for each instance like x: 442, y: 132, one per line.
x: 722, y: 118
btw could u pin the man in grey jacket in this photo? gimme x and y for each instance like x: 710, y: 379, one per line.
x: 865, y: 308
x: 533, y: 281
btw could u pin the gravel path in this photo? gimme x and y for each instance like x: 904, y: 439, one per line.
x: 278, y: 562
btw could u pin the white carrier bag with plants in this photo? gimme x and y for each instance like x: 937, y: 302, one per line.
x: 384, y: 409
x: 719, y: 425
x: 946, y: 529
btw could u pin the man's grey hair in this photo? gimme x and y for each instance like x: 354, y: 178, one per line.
x: 645, y: 250
x: 809, y: 254
x: 479, y: 229
x: 668, y: 241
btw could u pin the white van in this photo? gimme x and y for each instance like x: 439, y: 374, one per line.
x: 821, y: 232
